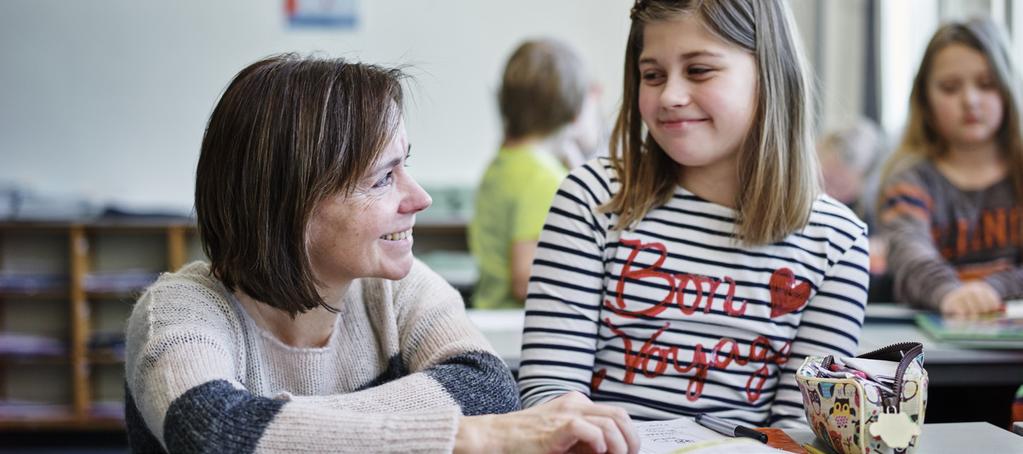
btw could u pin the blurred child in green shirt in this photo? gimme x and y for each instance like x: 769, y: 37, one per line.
x: 549, y: 113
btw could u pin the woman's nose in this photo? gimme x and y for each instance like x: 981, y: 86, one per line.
x: 416, y: 199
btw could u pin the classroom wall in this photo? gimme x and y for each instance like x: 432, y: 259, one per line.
x: 107, y: 99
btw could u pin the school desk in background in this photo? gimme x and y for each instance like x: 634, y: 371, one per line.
x: 1003, y: 331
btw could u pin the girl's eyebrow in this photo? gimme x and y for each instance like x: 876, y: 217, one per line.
x: 685, y: 56
x: 701, y: 53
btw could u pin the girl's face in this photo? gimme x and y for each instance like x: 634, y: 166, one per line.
x: 966, y: 106
x: 697, y: 93
x: 368, y: 233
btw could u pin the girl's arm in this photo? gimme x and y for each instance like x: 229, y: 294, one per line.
x: 922, y: 276
x: 830, y: 325
x: 1008, y: 283
x: 563, y: 305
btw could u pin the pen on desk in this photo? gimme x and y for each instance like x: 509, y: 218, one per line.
x: 729, y: 428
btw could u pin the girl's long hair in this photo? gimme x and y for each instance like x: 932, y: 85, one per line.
x: 777, y: 172
x: 921, y: 139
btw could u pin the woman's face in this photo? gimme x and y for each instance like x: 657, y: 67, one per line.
x: 966, y: 105
x: 368, y: 233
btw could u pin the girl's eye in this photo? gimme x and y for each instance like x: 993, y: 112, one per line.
x: 699, y: 71
x: 385, y: 181
x: 987, y: 84
x: 651, y: 77
x: 948, y: 88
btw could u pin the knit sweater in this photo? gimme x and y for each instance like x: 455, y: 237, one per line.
x: 674, y: 317
x: 402, y: 364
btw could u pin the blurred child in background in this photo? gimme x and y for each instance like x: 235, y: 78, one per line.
x: 850, y: 159
x: 952, y: 192
x: 551, y: 122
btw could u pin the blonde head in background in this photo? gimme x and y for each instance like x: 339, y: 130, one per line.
x: 848, y: 158
x: 547, y: 96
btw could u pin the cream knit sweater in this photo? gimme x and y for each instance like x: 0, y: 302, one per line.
x: 401, y: 365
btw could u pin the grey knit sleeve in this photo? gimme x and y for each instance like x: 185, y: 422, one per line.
x: 438, y: 339
x: 922, y: 276
x: 1009, y: 283
x: 184, y: 394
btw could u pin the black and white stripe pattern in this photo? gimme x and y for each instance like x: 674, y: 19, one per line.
x: 650, y: 342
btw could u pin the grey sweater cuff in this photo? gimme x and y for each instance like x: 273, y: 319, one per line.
x: 998, y: 282
x: 934, y: 295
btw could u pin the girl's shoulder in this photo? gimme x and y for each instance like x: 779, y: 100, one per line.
x: 835, y: 221
x: 596, y: 180
x: 918, y: 171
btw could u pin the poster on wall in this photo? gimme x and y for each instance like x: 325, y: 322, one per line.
x: 328, y: 14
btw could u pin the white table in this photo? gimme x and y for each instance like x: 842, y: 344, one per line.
x: 949, y: 438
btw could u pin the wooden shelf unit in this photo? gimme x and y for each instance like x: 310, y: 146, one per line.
x: 78, y: 413
x: 82, y: 364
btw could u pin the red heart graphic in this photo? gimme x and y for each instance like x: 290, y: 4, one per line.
x: 787, y: 294
x: 598, y: 378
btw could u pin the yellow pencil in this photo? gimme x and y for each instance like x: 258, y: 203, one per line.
x: 811, y: 449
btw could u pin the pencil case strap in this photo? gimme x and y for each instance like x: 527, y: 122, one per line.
x: 904, y: 353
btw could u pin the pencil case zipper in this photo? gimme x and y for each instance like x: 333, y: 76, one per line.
x: 907, y: 351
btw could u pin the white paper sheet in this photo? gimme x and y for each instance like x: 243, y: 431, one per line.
x: 684, y: 435
x: 1014, y: 309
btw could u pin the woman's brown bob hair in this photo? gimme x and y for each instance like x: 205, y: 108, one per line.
x: 777, y: 172
x: 288, y: 132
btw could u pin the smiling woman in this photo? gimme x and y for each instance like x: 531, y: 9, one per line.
x: 313, y: 328
x: 368, y: 233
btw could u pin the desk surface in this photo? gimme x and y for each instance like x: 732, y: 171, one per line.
x: 951, y: 438
x: 946, y: 364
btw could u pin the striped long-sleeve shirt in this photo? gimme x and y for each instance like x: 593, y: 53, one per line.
x: 674, y: 317
x: 402, y: 363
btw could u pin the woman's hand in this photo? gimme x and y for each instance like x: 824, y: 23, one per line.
x: 570, y: 423
x: 973, y: 298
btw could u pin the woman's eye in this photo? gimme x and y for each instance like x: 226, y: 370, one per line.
x: 385, y: 181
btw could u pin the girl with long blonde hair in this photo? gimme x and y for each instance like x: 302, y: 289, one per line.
x: 694, y: 269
